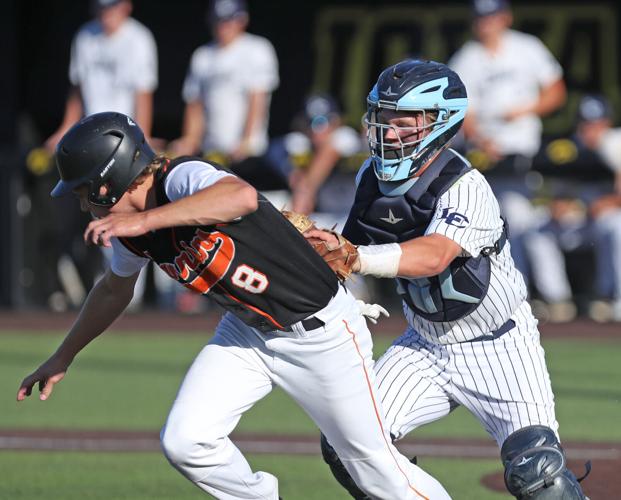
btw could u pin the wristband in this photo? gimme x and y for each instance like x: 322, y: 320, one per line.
x: 380, y: 260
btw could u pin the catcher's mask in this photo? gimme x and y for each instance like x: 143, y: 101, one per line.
x: 101, y: 150
x: 423, y: 88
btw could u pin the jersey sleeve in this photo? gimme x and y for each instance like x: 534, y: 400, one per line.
x: 125, y: 263
x: 610, y: 149
x: 192, y: 176
x: 74, y: 63
x: 468, y: 213
x: 145, y: 64
x: 547, y: 68
x: 463, y: 62
x: 262, y: 69
x: 192, y: 84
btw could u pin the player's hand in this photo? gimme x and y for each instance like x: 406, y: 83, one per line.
x: 99, y: 231
x: 490, y: 148
x: 53, y: 140
x: 303, y: 198
x: 371, y: 311
x: 183, y: 146
x: 329, y: 238
x: 516, y: 113
x: 47, y: 376
x: 241, y: 152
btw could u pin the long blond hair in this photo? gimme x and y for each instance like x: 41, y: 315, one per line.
x: 150, y: 169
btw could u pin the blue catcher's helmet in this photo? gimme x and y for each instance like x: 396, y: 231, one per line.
x: 417, y: 86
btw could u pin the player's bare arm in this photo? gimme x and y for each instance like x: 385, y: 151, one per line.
x: 193, y: 128
x: 257, y: 110
x: 551, y: 98
x: 105, y: 302
x: 144, y: 111
x: 73, y: 112
x: 224, y: 201
x: 427, y: 256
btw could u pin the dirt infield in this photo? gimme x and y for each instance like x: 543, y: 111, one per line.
x: 162, y: 322
x: 603, y: 482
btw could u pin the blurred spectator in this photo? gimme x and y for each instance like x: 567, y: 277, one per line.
x: 320, y: 151
x: 113, y: 67
x: 512, y: 80
x: 582, y: 176
x: 227, y: 92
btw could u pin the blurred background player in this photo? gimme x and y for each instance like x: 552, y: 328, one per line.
x: 319, y: 159
x: 113, y: 67
x: 512, y: 81
x: 582, y: 175
x: 227, y: 92
x: 322, y: 183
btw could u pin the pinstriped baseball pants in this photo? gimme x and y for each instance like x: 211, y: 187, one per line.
x: 504, y: 382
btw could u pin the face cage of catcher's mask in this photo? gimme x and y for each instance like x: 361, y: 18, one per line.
x: 397, y: 150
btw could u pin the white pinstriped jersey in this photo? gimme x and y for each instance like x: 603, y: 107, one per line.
x: 468, y: 213
x: 434, y: 367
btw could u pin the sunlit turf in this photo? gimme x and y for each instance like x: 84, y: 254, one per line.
x: 147, y: 476
x: 128, y: 381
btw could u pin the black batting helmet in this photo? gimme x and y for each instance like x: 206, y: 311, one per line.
x: 105, y: 149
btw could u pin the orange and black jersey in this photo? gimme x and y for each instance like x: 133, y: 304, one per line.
x: 258, y: 267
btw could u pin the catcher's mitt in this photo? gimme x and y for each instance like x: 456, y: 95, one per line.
x: 340, y: 256
x: 301, y: 222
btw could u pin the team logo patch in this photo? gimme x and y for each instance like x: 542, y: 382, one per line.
x: 524, y: 461
x: 454, y: 218
x: 389, y: 92
x: 391, y: 219
x: 203, y: 262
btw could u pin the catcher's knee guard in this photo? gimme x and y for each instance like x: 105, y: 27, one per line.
x: 339, y: 472
x: 536, y: 468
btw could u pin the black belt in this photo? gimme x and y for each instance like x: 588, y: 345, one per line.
x: 311, y: 323
x: 509, y: 325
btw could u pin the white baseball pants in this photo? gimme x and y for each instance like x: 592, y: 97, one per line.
x: 503, y: 382
x: 328, y: 371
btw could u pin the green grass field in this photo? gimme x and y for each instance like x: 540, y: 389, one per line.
x: 125, y: 381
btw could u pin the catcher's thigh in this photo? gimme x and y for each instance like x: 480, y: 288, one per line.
x: 410, y: 388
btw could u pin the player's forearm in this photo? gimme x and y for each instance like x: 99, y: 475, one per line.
x: 73, y: 109
x: 194, y: 124
x: 102, y: 306
x: 417, y: 258
x: 427, y: 256
x: 257, y: 109
x: 321, y: 166
x: 224, y: 201
x: 144, y: 111
x: 551, y: 98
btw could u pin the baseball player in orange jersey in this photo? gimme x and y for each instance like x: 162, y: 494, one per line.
x: 289, y: 321
x: 422, y: 215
